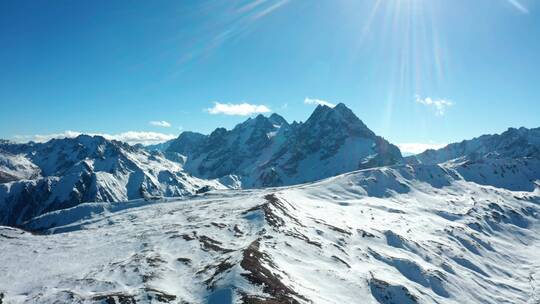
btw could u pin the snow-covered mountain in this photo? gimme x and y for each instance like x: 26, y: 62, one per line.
x: 268, y: 151
x: 512, y: 144
x: 62, y: 173
x: 418, y: 233
x: 457, y: 225
x: 510, y: 159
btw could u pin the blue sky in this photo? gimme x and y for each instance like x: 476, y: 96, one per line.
x: 415, y: 71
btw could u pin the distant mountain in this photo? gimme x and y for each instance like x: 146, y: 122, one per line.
x: 268, y: 151
x: 509, y: 160
x: 511, y: 144
x: 43, y: 177
x: 36, y: 178
x: 156, y: 147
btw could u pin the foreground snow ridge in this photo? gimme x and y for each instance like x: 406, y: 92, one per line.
x: 403, y: 234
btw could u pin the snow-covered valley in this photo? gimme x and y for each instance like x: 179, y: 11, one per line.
x: 400, y: 234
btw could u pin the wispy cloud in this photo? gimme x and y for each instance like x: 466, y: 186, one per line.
x: 138, y: 137
x: 46, y: 137
x: 315, y: 101
x: 415, y: 148
x: 241, y: 109
x: 160, y: 123
x: 131, y: 137
x: 440, y: 105
x: 237, y: 18
x: 269, y: 9
x: 520, y: 7
x: 250, y: 6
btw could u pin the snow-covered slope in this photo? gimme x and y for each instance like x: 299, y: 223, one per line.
x: 62, y: 173
x: 402, y: 234
x: 16, y: 167
x: 268, y: 151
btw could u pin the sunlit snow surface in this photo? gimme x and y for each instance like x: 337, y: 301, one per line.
x: 405, y: 234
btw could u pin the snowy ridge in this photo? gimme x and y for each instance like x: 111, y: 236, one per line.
x: 401, y: 234
x: 511, y: 144
x: 63, y: 173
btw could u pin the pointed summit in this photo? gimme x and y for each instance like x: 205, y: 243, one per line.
x: 338, y: 117
x: 259, y: 122
x: 324, y: 110
x: 267, y: 151
x: 277, y: 119
x: 342, y: 108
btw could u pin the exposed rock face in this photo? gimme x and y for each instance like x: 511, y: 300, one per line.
x: 268, y: 151
x: 62, y: 173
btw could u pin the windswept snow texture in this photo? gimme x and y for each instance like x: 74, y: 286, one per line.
x: 402, y: 234
x: 268, y: 151
x: 41, y: 177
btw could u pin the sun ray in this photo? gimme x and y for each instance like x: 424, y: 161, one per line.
x: 520, y: 7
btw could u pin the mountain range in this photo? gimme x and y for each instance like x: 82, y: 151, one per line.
x: 408, y: 233
x: 511, y: 144
x: 268, y: 151
x: 62, y: 173
x: 37, y: 178
x: 199, y: 219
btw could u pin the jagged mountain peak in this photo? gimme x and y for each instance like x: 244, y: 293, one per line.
x: 340, y: 115
x: 337, y: 121
x: 190, y: 135
x: 532, y: 135
x: 218, y: 132
x: 278, y: 119
x: 268, y: 151
x: 261, y: 121
x: 185, y: 142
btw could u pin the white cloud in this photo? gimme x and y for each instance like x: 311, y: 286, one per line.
x: 269, y: 9
x: 46, y: 137
x: 241, y: 109
x: 520, y: 7
x: 131, y: 137
x: 141, y: 137
x: 415, y: 148
x: 160, y: 123
x: 315, y: 101
x: 440, y: 105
